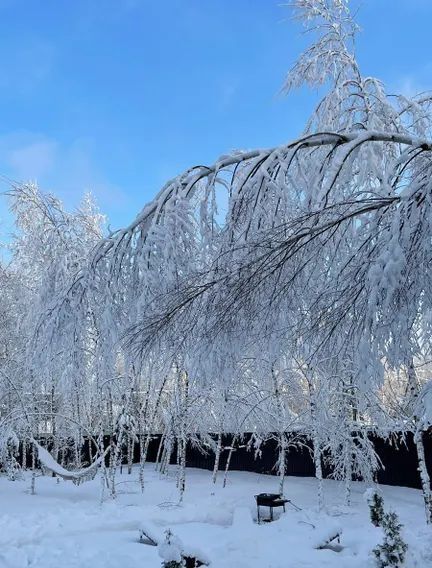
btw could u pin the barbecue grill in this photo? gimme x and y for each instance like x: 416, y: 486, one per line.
x: 270, y: 500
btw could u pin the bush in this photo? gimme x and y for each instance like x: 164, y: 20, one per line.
x: 392, y: 551
x: 376, y: 506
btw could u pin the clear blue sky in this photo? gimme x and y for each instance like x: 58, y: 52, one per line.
x: 117, y: 96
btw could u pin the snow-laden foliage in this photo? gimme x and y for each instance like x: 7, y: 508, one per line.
x: 49, y: 248
x: 284, y: 291
x: 170, y: 551
x: 393, y: 550
x: 375, y: 501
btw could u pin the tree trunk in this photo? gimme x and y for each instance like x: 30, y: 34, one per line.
x: 424, y: 475
x: 112, y: 470
x: 182, y: 479
x: 316, y: 443
x: 33, y: 478
x: 228, y: 462
x: 143, y: 458
x: 217, y: 457
x: 318, y: 471
x: 24, y: 455
x: 131, y: 443
x: 148, y: 429
x: 412, y: 393
x: 160, y: 451
x: 348, y: 473
x: 90, y: 453
x: 282, y: 461
x: 281, y: 429
x: 183, y: 388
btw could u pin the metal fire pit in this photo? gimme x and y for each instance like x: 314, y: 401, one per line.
x: 270, y: 500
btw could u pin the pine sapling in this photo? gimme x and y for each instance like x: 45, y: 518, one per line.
x: 376, y: 506
x: 392, y: 551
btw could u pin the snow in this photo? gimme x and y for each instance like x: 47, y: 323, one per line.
x: 170, y: 550
x: 150, y: 532
x: 326, y: 532
x: 242, y: 518
x: 49, y: 462
x: 370, y: 493
x: 66, y: 526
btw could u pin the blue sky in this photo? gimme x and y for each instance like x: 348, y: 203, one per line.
x: 118, y: 96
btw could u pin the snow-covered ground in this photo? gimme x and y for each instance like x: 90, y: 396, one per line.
x: 65, y: 526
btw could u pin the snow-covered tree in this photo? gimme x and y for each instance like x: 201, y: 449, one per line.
x: 304, y: 309
x: 376, y: 506
x: 393, y: 549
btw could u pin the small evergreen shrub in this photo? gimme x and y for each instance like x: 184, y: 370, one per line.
x: 376, y: 506
x: 392, y: 551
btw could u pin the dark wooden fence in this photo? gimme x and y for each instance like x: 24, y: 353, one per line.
x: 399, y: 458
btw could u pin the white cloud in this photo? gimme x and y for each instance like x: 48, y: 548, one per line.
x: 413, y: 83
x: 68, y: 170
x: 33, y: 160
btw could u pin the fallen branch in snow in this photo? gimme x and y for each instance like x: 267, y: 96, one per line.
x: 327, y: 541
x: 191, y: 555
x: 150, y: 535
x: 326, y: 536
